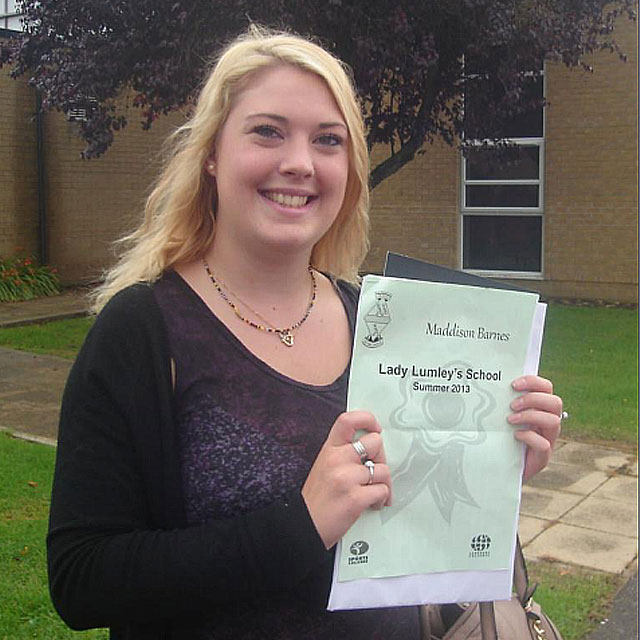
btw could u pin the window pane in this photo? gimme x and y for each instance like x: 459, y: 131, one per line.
x: 530, y: 123
x: 502, y: 195
x: 503, y: 243
x: 14, y: 23
x: 525, y: 125
x: 484, y: 96
x: 514, y: 163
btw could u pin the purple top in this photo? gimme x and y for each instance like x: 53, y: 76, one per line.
x: 248, y: 437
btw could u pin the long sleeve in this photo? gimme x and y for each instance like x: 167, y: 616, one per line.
x: 118, y: 548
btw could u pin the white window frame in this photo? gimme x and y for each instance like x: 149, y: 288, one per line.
x: 9, y: 15
x: 81, y: 112
x: 507, y: 211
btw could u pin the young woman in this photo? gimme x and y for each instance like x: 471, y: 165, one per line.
x: 205, y: 464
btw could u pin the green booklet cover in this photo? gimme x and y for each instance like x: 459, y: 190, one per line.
x: 434, y: 363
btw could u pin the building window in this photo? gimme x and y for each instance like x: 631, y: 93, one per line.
x: 82, y: 109
x: 502, y: 201
x: 503, y: 243
x: 10, y: 18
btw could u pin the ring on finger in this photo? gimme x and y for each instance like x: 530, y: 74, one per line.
x: 360, y: 450
x: 371, y: 466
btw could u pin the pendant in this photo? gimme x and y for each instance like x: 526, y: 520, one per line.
x: 286, y: 337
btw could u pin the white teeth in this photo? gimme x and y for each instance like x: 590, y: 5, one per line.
x: 287, y: 200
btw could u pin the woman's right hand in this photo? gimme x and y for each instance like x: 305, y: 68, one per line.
x: 337, y: 489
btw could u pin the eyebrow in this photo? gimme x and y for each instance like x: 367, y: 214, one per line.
x: 279, y: 118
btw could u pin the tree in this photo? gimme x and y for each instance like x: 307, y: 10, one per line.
x: 413, y: 60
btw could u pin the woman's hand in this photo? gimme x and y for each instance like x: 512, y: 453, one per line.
x: 540, y: 412
x: 339, y: 486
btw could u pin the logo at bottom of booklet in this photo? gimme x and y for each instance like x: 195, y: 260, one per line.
x: 480, y: 546
x: 358, y: 551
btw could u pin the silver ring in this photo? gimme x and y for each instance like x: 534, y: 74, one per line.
x: 361, y: 451
x: 564, y: 415
x: 370, y: 464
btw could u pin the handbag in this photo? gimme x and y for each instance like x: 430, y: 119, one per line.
x: 520, y: 618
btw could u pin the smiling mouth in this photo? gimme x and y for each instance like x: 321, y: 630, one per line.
x: 287, y: 200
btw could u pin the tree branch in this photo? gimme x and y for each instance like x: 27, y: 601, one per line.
x: 409, y: 148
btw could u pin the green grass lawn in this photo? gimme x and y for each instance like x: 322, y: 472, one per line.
x: 61, y: 338
x: 26, y: 611
x: 591, y: 354
x: 577, y: 600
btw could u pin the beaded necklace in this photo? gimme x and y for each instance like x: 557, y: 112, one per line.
x: 285, y: 335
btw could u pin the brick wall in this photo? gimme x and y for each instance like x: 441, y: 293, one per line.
x: 414, y: 211
x: 18, y: 167
x: 591, y: 214
x: 90, y: 203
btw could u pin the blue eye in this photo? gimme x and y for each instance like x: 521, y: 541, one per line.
x: 330, y: 139
x: 266, y: 131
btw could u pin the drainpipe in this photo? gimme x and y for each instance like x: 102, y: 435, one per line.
x: 43, y: 254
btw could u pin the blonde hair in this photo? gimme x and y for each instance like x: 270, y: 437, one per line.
x: 179, y: 222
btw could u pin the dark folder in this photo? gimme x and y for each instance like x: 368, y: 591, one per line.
x: 399, y: 266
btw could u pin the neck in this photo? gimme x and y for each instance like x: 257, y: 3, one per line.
x: 266, y: 280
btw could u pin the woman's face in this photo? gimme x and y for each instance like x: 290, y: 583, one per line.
x: 280, y: 163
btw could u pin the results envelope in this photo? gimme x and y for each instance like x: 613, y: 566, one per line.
x: 434, y: 363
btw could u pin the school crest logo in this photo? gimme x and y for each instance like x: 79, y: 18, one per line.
x: 377, y: 320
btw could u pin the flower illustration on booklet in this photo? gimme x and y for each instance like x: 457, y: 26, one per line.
x: 442, y: 427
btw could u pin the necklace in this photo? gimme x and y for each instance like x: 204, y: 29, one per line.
x: 285, y: 335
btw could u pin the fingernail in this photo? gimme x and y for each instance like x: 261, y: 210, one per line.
x: 517, y: 403
x: 515, y: 418
x: 519, y: 383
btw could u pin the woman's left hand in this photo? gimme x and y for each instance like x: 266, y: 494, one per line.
x: 540, y: 412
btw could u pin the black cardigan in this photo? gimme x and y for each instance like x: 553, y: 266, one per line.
x: 119, y: 552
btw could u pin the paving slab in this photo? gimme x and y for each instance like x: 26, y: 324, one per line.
x: 592, y: 457
x: 65, y: 305
x: 605, y: 515
x: 583, y: 547
x: 550, y: 505
x: 559, y: 444
x: 529, y: 528
x: 571, y: 478
x: 31, y: 389
x: 620, y: 488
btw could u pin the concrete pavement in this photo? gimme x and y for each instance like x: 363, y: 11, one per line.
x: 581, y: 510
x: 31, y: 385
x: 69, y: 304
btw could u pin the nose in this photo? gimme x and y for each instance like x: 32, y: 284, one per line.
x: 297, y: 159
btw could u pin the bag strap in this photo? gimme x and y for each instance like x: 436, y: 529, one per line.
x: 488, y: 621
x: 523, y: 591
x: 425, y: 622
x: 521, y: 576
